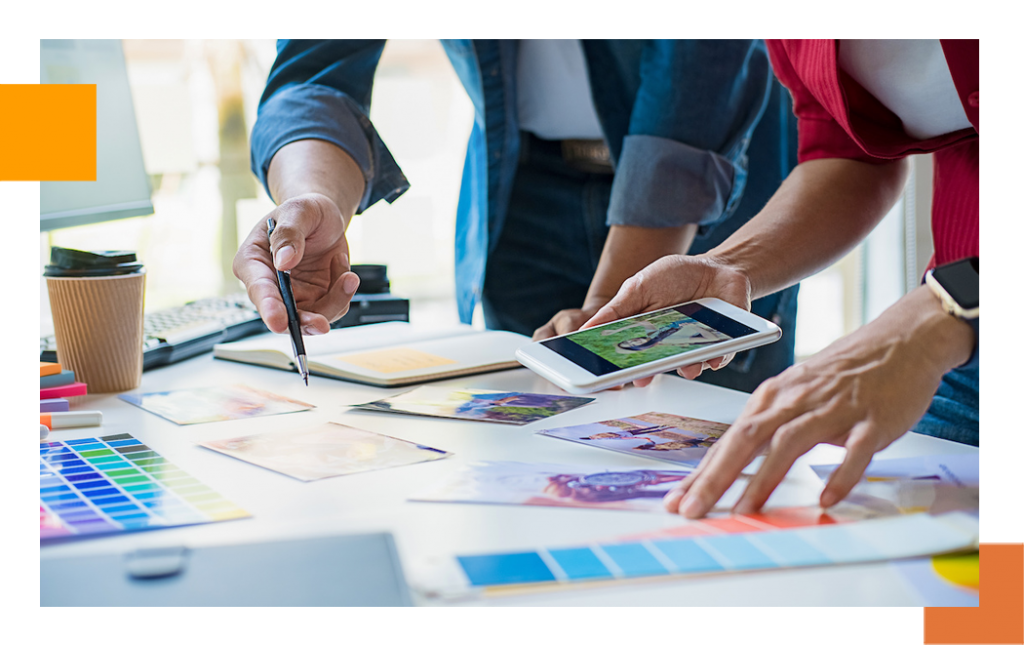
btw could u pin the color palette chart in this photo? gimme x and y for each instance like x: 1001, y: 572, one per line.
x: 864, y: 541
x: 117, y: 483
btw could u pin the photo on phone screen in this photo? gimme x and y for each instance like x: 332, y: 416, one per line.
x: 646, y: 338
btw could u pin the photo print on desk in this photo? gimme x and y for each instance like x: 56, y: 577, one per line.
x: 929, y: 483
x: 218, y: 403
x: 658, y: 435
x: 516, y: 408
x: 325, y: 450
x: 510, y: 482
x: 115, y: 483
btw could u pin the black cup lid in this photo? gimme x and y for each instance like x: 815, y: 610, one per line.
x: 71, y: 263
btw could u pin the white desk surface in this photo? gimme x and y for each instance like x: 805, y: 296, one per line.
x: 283, y: 507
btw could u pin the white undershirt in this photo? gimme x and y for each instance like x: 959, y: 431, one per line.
x: 553, y: 91
x: 911, y: 78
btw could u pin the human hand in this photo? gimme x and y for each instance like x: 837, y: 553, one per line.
x: 568, y: 320
x: 672, y: 280
x: 309, y: 241
x: 863, y: 392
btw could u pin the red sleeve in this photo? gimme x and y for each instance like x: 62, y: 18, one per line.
x: 820, y: 135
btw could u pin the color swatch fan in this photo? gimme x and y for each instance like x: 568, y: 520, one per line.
x: 116, y: 483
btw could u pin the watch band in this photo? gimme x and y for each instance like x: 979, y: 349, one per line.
x: 954, y: 308
x: 972, y: 362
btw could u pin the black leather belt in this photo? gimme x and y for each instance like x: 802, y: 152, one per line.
x: 588, y: 155
x: 585, y: 155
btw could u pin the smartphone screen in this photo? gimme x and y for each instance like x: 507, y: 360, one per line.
x: 646, y: 338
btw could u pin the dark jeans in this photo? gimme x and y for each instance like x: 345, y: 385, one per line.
x: 549, y: 248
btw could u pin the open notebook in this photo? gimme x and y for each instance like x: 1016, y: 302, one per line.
x: 386, y: 354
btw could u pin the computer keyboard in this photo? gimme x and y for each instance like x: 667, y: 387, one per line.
x: 171, y: 335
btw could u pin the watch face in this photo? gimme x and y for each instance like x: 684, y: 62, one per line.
x: 960, y: 280
x: 614, y: 479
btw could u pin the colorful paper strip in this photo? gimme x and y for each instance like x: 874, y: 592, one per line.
x: 879, y: 539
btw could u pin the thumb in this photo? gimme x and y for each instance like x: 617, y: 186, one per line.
x: 295, y: 222
x: 628, y: 301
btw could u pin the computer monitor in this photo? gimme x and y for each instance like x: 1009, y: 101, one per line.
x: 122, y: 186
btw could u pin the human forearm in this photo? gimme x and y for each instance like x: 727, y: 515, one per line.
x: 629, y: 249
x: 317, y: 187
x: 315, y: 166
x: 820, y: 212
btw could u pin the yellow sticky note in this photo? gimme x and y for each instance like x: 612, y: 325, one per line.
x: 396, y: 359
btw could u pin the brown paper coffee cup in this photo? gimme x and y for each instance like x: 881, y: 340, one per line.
x: 98, y: 325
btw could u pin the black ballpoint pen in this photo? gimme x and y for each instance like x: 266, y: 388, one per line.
x: 284, y: 282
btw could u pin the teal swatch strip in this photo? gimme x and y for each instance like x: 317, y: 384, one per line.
x: 580, y: 564
x: 737, y: 552
x: 834, y: 544
x: 687, y: 556
x: 505, y: 569
x: 634, y: 559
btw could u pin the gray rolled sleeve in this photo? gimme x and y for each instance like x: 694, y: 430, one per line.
x: 662, y: 183
x: 310, y: 111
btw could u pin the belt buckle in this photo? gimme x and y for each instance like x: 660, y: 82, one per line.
x: 588, y: 155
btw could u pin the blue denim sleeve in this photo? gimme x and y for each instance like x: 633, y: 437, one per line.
x: 684, y: 158
x: 320, y: 89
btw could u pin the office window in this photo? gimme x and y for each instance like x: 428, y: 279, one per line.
x: 196, y: 102
x: 885, y: 266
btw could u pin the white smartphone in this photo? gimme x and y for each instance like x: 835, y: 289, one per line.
x: 646, y: 344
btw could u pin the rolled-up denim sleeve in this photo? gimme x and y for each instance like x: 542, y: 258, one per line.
x: 684, y: 158
x: 321, y: 90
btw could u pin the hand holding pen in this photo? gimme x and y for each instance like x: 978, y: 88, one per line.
x: 284, y: 282
x: 309, y: 243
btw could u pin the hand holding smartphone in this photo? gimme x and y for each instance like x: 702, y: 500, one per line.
x: 646, y: 344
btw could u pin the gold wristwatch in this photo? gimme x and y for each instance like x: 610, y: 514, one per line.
x: 956, y: 286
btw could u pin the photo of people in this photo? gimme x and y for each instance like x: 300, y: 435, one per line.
x: 517, y: 408
x: 658, y: 435
x: 509, y: 482
x: 647, y: 338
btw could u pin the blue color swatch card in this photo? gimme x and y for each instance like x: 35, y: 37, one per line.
x: 116, y: 483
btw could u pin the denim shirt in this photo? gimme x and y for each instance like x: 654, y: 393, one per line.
x: 678, y: 117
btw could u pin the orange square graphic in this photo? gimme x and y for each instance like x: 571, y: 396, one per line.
x: 48, y: 132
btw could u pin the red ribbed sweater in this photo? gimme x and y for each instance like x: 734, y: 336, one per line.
x: 839, y: 118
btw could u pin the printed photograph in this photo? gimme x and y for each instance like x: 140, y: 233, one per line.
x: 209, y: 404
x: 516, y: 408
x: 325, y: 450
x: 510, y: 482
x: 647, y: 338
x: 658, y: 435
x: 929, y: 483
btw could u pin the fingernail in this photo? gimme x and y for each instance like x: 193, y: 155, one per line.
x: 691, y: 507
x: 350, y: 283
x: 284, y: 254
x: 309, y: 330
x: 828, y: 498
